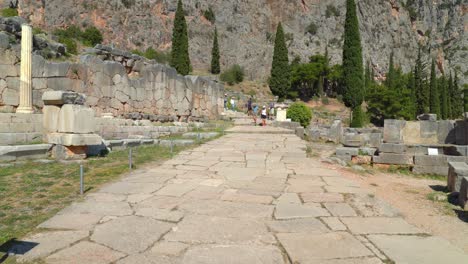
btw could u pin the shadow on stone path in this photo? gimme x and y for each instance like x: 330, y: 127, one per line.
x: 248, y: 197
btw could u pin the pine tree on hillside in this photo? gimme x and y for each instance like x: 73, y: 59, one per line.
x: 434, y: 102
x: 457, y: 103
x: 420, y: 89
x: 367, y: 79
x: 353, y: 78
x: 390, y: 78
x: 280, y: 78
x: 180, y: 58
x: 215, y: 67
x: 442, y: 85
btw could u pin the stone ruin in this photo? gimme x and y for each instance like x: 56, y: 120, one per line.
x: 69, y: 125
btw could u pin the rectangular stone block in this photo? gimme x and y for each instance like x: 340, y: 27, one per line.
x: 391, y: 158
x: 375, y: 140
x: 347, y: 151
x: 440, y: 160
x: 437, y: 170
x: 446, y: 132
x: 393, y: 131
x: 463, y: 194
x: 63, y: 97
x: 50, y: 118
x: 353, y: 140
x: 457, y: 170
x: 392, y: 148
x: 76, y: 119
x: 74, y: 139
x: 461, y: 132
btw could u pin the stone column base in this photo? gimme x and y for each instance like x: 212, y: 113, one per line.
x: 61, y: 152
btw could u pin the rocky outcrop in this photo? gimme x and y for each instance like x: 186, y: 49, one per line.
x: 246, y: 28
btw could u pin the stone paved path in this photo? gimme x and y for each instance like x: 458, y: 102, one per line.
x: 247, y: 197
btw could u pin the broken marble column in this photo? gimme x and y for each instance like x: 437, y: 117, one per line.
x: 25, y: 104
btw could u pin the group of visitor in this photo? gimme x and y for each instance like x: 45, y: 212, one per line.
x: 232, y: 103
x: 253, y: 110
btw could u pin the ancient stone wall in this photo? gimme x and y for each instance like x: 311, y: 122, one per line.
x: 116, y: 82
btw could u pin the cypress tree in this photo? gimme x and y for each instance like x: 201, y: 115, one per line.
x: 465, y: 99
x: 367, y: 79
x: 457, y: 103
x: 420, y: 93
x: 215, y: 67
x: 450, y: 96
x: 280, y: 78
x: 180, y: 59
x: 434, y: 102
x: 353, y: 78
x: 442, y: 84
x: 390, y: 78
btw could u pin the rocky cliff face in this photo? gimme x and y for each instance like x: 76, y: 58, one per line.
x: 247, y: 28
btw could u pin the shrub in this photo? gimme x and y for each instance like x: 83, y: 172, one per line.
x: 312, y: 28
x: 299, y: 112
x: 9, y: 12
x: 161, y: 57
x: 91, y: 36
x: 235, y: 74
x: 325, y: 101
x: 209, y: 15
x: 332, y: 11
x: 70, y: 44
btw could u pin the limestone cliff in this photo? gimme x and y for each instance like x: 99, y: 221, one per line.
x: 246, y: 28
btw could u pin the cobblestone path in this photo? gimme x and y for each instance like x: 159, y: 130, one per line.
x: 248, y: 197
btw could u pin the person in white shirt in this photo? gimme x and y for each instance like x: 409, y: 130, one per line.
x: 264, y: 115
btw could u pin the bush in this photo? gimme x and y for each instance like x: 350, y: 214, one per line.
x: 332, y: 11
x: 312, y: 28
x: 235, y: 74
x: 325, y: 101
x: 161, y: 57
x: 70, y: 44
x: 209, y: 15
x: 92, y: 36
x: 9, y: 12
x: 299, y: 112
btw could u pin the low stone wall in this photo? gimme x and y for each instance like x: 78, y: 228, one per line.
x: 116, y: 82
x: 20, y: 128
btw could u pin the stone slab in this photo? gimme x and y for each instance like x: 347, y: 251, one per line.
x: 72, y: 221
x: 457, y: 170
x: 220, y: 230
x: 63, y: 97
x: 301, y: 225
x: 45, y: 244
x: 417, y: 249
x: 437, y: 160
x: 285, y: 211
x: 379, y: 225
x: 74, y: 139
x: 391, y: 158
x: 76, y: 119
x: 99, y: 208
x: 392, y: 148
x: 50, y: 118
x: 340, y: 209
x: 334, y: 223
x: 85, y: 252
x: 322, y: 197
x: 463, y: 194
x: 233, y: 254
x: 227, y: 209
x: 437, y: 170
x: 315, y: 248
x: 130, y: 234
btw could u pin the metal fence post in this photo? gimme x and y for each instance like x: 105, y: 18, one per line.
x: 130, y: 161
x: 81, y: 179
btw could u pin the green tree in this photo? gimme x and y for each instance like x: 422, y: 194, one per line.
x: 420, y: 89
x: 367, y: 79
x: 450, y: 96
x: 442, y: 84
x: 215, y: 67
x: 465, y: 98
x: 352, y: 65
x: 390, y: 78
x: 180, y: 58
x: 457, y: 103
x: 91, y: 36
x: 280, y: 77
x: 434, y: 102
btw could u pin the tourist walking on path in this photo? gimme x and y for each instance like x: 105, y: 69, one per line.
x: 264, y: 115
x: 225, y: 102
x: 233, y: 104
x: 255, y: 112
x: 249, y: 107
x: 272, y: 111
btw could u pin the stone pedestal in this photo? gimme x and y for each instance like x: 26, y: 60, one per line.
x: 25, y: 104
x: 280, y: 115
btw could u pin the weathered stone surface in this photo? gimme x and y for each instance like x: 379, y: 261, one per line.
x: 347, y: 151
x: 291, y: 211
x: 99, y: 208
x: 85, y: 252
x: 50, y: 118
x: 416, y: 249
x: 303, y: 225
x: 63, y: 97
x: 322, y: 197
x: 76, y: 119
x: 457, y: 170
x: 130, y: 234
x: 314, y: 248
x: 437, y: 170
x: 390, y: 158
x: 45, y: 244
x: 439, y: 160
x: 334, y: 223
x: 340, y: 209
x: 233, y: 254
x: 74, y: 139
x: 463, y: 194
x: 379, y: 225
x: 169, y: 248
x: 219, y: 230
x: 234, y: 196
x: 72, y: 221
x: 227, y: 209
x: 131, y: 188
x: 393, y: 131
x: 392, y: 148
